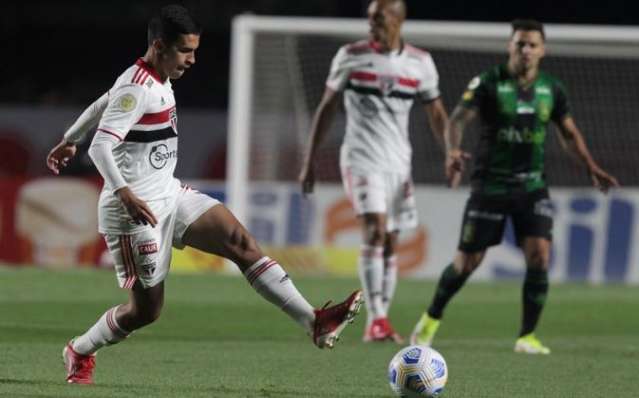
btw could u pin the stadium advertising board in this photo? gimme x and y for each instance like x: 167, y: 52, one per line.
x: 52, y: 222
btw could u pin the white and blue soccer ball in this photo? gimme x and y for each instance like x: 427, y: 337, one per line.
x: 417, y: 371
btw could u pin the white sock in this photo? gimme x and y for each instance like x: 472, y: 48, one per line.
x: 268, y: 278
x: 106, y: 331
x: 389, y: 282
x: 371, y: 269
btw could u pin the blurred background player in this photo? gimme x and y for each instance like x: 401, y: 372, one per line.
x: 380, y: 78
x: 515, y: 102
x: 144, y: 210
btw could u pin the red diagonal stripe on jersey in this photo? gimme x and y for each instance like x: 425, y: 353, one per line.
x: 156, y: 118
x: 366, y: 76
x: 371, y: 77
x: 404, y: 81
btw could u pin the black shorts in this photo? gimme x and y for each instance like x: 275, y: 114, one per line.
x: 485, y: 219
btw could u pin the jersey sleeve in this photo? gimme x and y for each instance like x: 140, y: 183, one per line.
x: 560, y: 108
x: 88, y: 119
x: 428, y: 89
x: 475, y: 92
x: 127, y: 104
x: 340, y: 71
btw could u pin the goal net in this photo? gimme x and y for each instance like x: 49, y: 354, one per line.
x: 279, y: 67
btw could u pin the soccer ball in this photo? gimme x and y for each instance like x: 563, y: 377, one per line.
x: 417, y: 371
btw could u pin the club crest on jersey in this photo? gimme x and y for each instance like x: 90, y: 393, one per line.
x: 368, y: 107
x: 148, y: 269
x: 386, y: 84
x: 173, y: 117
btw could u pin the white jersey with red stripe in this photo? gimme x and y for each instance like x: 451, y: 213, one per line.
x: 141, y: 114
x: 379, y: 91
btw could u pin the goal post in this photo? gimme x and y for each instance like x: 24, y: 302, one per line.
x: 278, y: 70
x: 248, y: 56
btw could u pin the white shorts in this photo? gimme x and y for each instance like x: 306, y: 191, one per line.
x: 145, y: 256
x: 389, y: 193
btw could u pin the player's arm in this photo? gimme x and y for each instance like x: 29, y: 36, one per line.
x: 430, y: 96
x: 60, y: 154
x: 455, y: 157
x: 575, y: 145
x: 437, y: 119
x: 320, y: 126
x: 126, y: 106
x: 324, y: 115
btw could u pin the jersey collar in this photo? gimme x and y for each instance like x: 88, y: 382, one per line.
x: 148, y: 68
x: 377, y: 46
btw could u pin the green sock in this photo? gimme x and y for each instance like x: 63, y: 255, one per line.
x: 449, y: 283
x: 534, y: 295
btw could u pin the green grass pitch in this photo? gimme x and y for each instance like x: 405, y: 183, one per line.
x: 218, y: 338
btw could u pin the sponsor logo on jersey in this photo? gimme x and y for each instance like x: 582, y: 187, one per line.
x: 526, y: 136
x: 127, y: 102
x: 160, y: 155
x: 542, y: 90
x: 505, y: 87
x: 148, y: 248
x: 368, y: 107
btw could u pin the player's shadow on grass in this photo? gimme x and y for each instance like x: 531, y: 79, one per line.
x: 271, y: 392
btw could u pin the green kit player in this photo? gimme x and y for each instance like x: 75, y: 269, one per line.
x: 515, y: 103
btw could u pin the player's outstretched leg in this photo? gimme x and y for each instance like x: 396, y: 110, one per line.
x: 113, y: 326
x: 218, y: 232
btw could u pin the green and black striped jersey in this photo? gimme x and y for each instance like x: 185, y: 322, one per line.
x: 514, y: 120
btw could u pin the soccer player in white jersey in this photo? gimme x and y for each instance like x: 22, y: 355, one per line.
x: 144, y: 210
x: 380, y: 78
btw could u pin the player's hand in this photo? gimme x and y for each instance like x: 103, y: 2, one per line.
x: 602, y: 180
x: 136, y: 207
x: 60, y: 155
x: 455, y: 162
x: 307, y: 179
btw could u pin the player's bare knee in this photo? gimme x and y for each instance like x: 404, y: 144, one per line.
x: 375, y: 235
x: 148, y: 315
x: 389, y: 244
x: 240, y: 243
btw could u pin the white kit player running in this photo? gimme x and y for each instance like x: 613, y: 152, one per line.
x: 144, y: 210
x: 380, y: 78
